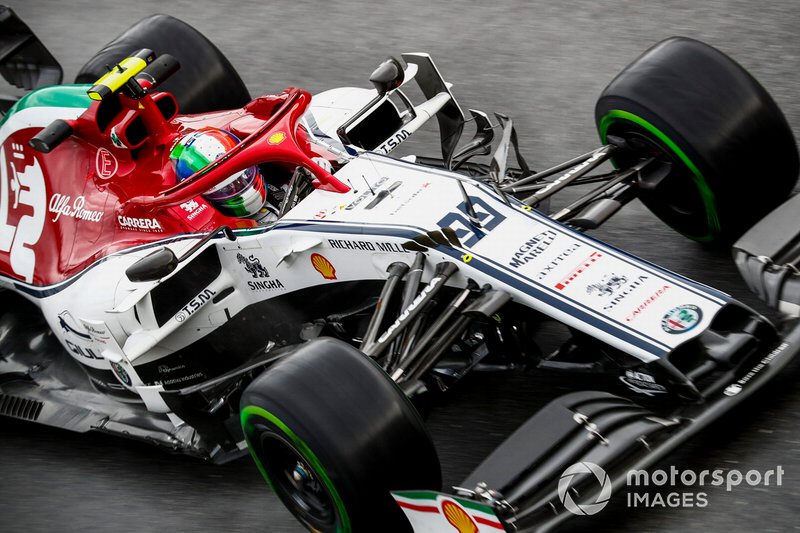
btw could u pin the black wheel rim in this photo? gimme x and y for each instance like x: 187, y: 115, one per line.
x: 676, y: 198
x: 297, y: 484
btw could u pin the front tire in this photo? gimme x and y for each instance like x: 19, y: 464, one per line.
x: 732, y: 154
x: 333, y: 435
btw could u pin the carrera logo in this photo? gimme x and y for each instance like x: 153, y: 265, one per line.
x: 150, y: 225
x: 21, y: 220
x: 646, y: 303
x: 323, y: 266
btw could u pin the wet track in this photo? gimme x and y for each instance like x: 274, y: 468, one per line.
x: 543, y: 63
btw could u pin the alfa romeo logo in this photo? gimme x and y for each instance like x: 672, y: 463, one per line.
x: 681, y: 319
x: 566, y: 482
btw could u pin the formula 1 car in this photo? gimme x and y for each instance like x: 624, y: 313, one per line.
x: 133, y: 304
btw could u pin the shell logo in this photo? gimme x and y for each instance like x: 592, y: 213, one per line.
x: 323, y: 266
x: 458, y: 517
x: 276, y: 138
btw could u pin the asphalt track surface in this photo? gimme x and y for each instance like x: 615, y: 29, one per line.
x: 543, y: 63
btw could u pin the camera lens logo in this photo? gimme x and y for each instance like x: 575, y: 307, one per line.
x: 566, y: 482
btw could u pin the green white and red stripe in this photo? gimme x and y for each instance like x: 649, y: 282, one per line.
x: 434, y: 512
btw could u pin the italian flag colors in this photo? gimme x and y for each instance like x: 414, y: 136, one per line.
x: 433, y: 512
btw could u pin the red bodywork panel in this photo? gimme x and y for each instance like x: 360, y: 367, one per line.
x: 90, y: 197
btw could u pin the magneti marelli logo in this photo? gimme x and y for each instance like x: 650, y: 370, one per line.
x: 566, y: 488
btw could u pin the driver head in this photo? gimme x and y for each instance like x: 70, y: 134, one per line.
x: 241, y: 195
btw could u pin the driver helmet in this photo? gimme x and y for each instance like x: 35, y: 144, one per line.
x: 242, y: 194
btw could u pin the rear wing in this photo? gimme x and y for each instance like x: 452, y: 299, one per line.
x: 24, y: 61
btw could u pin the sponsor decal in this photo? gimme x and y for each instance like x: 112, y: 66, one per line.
x: 181, y: 379
x: 413, y: 305
x: 393, y: 142
x: 646, y: 303
x: 642, y: 383
x: 364, y: 195
x: 467, y: 232
x: 64, y: 205
x: 572, y: 276
x: 430, y: 511
x: 252, y: 265
x: 194, y: 304
x: 323, y: 266
x: 735, y: 388
x: 105, y: 164
x: 344, y: 244
x: 77, y: 340
x: 532, y: 248
x: 681, y: 319
x: 416, y: 193
x: 193, y: 208
x: 276, y: 138
x: 266, y: 285
x: 458, y: 518
x: 69, y: 327
x: 121, y: 373
x: 166, y: 369
x: 149, y: 225
x: 609, y: 286
x: 557, y: 260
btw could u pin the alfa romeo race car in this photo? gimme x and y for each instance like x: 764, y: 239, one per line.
x: 137, y: 302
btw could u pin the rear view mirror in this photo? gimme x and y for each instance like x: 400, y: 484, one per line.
x: 154, y: 266
x: 389, y: 75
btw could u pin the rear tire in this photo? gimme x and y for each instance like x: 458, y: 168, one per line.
x: 732, y: 154
x: 206, y: 80
x: 332, y: 435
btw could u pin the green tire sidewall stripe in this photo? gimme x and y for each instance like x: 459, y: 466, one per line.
x: 706, y: 194
x: 303, y: 448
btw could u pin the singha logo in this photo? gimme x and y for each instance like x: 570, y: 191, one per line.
x: 253, y: 265
x: 609, y: 284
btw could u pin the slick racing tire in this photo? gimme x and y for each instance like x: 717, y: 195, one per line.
x: 731, y: 152
x: 332, y: 435
x: 206, y: 80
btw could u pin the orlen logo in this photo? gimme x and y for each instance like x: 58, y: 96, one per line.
x: 25, y: 182
x: 323, y: 266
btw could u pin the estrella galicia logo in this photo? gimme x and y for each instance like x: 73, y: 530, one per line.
x: 567, y: 481
x: 681, y: 319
